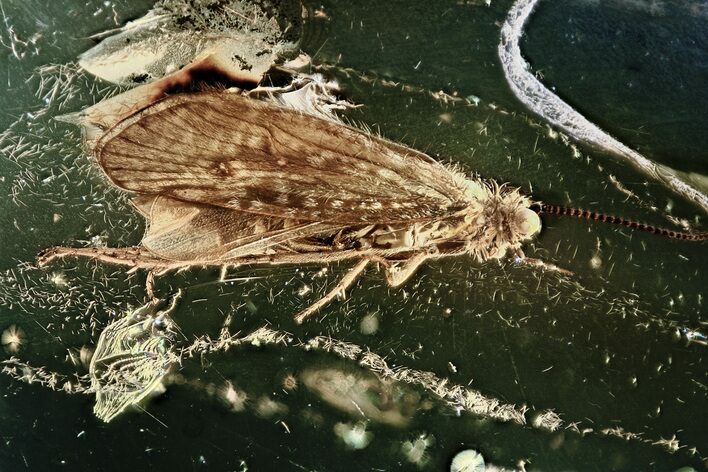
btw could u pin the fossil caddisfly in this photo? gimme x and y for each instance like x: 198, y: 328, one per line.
x: 227, y: 180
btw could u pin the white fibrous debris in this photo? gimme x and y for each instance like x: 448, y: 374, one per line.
x: 304, y: 290
x: 12, y: 339
x: 264, y: 336
x: 29, y: 290
x: 532, y: 93
x: 239, y: 35
x: 671, y: 444
x: 99, y: 240
x: 369, y: 324
x: 80, y: 357
x: 355, y: 436
x: 416, y: 450
x: 548, y: 420
x: 59, y: 279
x: 268, y: 408
x: 342, y: 349
x: 468, y: 461
x: 261, y: 337
x: 235, y: 398
x: 619, y: 432
x: 596, y: 261
x: 25, y: 372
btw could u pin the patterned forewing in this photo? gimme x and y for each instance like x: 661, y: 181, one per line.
x: 225, y: 150
x: 197, y: 233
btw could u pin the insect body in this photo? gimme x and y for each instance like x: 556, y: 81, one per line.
x: 224, y: 179
x: 227, y: 180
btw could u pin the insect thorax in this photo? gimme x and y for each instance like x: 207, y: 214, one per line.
x: 486, y: 229
x: 501, y: 223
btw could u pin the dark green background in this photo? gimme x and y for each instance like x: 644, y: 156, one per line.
x: 637, y: 72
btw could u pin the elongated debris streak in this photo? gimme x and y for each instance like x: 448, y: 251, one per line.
x: 542, y: 101
x: 457, y: 396
x: 138, y: 335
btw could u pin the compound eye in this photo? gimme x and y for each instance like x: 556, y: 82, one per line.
x: 529, y: 222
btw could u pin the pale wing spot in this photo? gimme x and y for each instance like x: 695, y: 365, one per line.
x: 387, y: 174
x: 238, y: 175
x: 255, y: 141
x: 310, y: 202
x: 315, y: 160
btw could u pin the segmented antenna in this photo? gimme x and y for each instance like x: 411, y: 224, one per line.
x: 591, y: 215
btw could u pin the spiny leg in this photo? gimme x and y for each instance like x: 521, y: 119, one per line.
x: 522, y: 259
x: 150, y: 285
x: 346, y: 282
x: 134, y: 257
x: 399, y: 272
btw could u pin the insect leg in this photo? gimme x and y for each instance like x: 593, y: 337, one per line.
x: 173, y: 304
x: 398, y: 273
x: 522, y: 259
x: 134, y: 257
x: 346, y: 282
x: 150, y: 285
